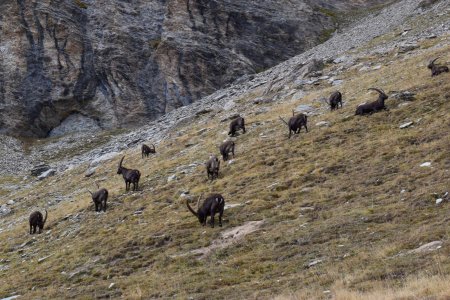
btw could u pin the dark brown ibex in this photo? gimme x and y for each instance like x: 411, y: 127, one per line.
x: 226, y: 148
x: 436, y: 69
x: 100, y: 197
x: 236, y: 124
x: 129, y: 176
x: 37, y: 220
x: 373, y: 107
x: 212, y: 167
x: 335, y: 100
x: 213, y: 204
x: 296, y: 122
x: 146, y: 150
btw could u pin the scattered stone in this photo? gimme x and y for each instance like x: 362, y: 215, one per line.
x: 407, y: 47
x: 426, y: 164
x: 172, y: 178
x: 406, y: 125
x: 201, y: 131
x: 44, y: 258
x: 203, y: 112
x: 11, y: 297
x: 314, y: 65
x: 10, y: 202
x: 337, y: 82
x: 433, y: 246
x: 323, y: 124
x: 376, y: 67
x: 102, y: 158
x: 46, y: 174
x: 4, y: 210
x: 262, y: 100
x: 314, y: 262
x: 231, y: 205
x: 439, y: 201
x: 232, y: 161
x: 111, y: 285
x: 403, y: 96
x: 303, y: 108
x: 229, y: 105
x: 39, y: 169
x: 90, y: 172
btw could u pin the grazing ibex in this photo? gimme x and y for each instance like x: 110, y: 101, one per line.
x: 129, y: 176
x: 435, y: 69
x: 296, y: 122
x: 335, y: 100
x: 213, y: 204
x: 212, y: 167
x: 372, y: 107
x: 100, y: 197
x: 37, y: 220
x: 226, y: 148
x: 146, y: 150
x: 236, y: 124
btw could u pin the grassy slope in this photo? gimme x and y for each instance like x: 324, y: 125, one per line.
x: 351, y: 174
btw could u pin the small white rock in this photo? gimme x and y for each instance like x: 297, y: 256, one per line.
x: 111, y: 285
x: 439, y: 201
x: 426, y: 164
x: 406, y: 125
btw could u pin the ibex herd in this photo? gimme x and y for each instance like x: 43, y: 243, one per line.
x: 215, y: 203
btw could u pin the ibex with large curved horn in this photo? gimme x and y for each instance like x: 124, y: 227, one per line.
x: 213, y: 204
x: 146, y: 150
x: 129, y: 176
x: 296, y: 122
x: 436, y: 69
x: 37, y: 220
x: 373, y: 107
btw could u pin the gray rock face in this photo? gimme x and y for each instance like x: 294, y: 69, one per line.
x: 123, y: 62
x: 75, y: 123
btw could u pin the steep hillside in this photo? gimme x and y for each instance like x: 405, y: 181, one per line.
x: 72, y: 64
x: 340, y: 212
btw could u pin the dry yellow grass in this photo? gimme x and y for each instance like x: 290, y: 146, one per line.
x: 337, y: 199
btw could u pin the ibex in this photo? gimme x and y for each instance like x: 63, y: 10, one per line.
x: 36, y: 220
x: 435, y: 69
x: 146, y: 150
x: 212, y: 167
x: 335, y: 100
x: 236, y: 124
x: 372, y: 107
x: 213, y: 204
x: 129, y: 176
x: 226, y: 148
x: 100, y: 197
x: 296, y: 122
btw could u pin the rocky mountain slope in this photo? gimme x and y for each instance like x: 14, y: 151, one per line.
x: 71, y: 64
x: 357, y: 208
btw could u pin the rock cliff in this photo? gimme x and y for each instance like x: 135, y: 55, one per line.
x: 111, y: 63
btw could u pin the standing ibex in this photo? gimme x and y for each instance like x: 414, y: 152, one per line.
x: 236, y: 124
x: 372, y: 107
x: 435, y: 69
x: 213, y: 204
x: 335, y: 100
x: 212, y: 167
x: 226, y: 148
x: 296, y: 122
x: 100, y: 197
x: 146, y: 150
x: 129, y: 176
x: 37, y: 220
